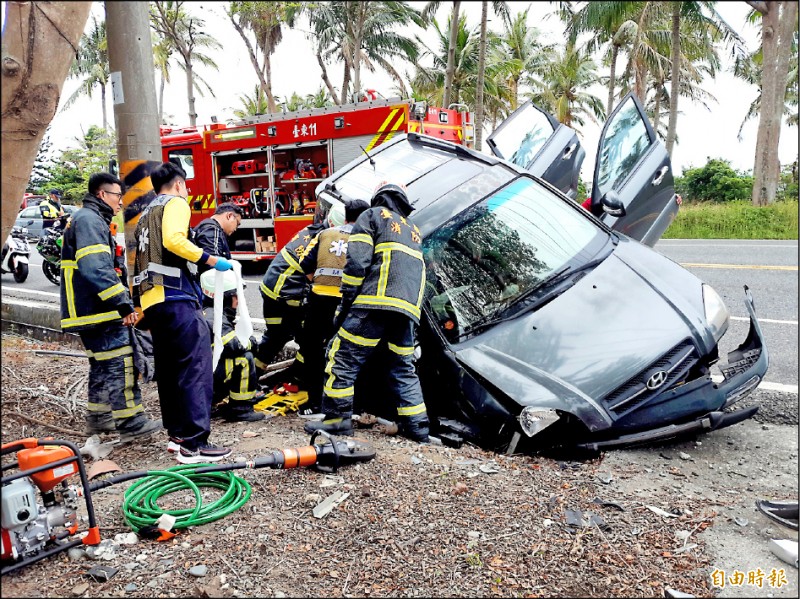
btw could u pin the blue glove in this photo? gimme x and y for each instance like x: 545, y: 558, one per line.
x: 223, y: 264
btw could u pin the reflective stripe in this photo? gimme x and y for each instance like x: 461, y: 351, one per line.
x: 244, y: 378
x: 69, y: 264
x: 98, y: 248
x: 299, y: 357
x: 361, y: 237
x: 69, y: 292
x: 403, y: 351
x: 127, y: 412
x: 111, y: 291
x: 228, y: 337
x: 335, y: 345
x: 130, y: 400
x: 411, y: 410
x: 392, y: 246
x: 98, y: 407
x: 92, y: 319
x: 276, y: 320
x: 374, y: 300
x: 228, y: 369
x: 268, y: 292
x: 260, y: 364
x: 246, y: 396
x: 351, y: 280
x: 290, y: 259
x: 357, y: 339
x: 331, y: 392
x: 383, y: 274
x: 293, y: 303
x: 326, y: 290
x: 126, y: 350
x: 160, y: 269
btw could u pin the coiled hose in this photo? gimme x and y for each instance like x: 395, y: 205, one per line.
x: 140, y: 506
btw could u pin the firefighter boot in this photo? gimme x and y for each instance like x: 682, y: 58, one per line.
x: 335, y: 426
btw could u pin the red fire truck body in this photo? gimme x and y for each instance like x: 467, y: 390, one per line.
x: 271, y: 164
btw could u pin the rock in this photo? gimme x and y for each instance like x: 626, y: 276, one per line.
x: 474, y: 534
x: 198, y: 571
x: 128, y: 538
x: 683, y: 534
x: 741, y: 521
x: 102, y: 573
x: 315, y: 498
x: 130, y: 566
x: 365, y: 491
x: 459, y: 488
x: 279, y: 594
x: 604, y: 478
x: 80, y: 589
x: 141, y: 557
x: 433, y: 495
x: 415, y: 460
x: 131, y: 587
x: 230, y: 530
x: 106, y: 549
x: 665, y: 456
x: 684, y: 456
x: 76, y: 553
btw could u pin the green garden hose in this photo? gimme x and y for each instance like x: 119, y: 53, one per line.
x: 140, y: 506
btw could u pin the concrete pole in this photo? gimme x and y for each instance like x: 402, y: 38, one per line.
x: 130, y: 57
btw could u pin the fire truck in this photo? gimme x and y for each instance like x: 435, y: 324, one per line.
x: 270, y: 164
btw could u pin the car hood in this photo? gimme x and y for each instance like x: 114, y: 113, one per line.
x: 615, y: 322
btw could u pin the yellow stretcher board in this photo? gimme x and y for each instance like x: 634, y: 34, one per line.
x: 280, y: 405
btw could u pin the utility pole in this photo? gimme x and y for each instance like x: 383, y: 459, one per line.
x: 130, y: 57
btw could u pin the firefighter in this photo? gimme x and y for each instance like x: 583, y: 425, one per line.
x: 283, y: 290
x: 166, y: 287
x: 235, y: 379
x: 96, y: 304
x: 382, y: 286
x: 323, y: 263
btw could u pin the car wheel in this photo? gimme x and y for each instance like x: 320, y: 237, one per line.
x: 21, y: 272
x: 52, y: 272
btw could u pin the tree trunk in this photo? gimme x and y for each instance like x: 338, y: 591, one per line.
x: 190, y: 92
x: 271, y: 105
x: 657, y: 111
x: 345, y: 82
x: 37, y: 53
x: 357, y: 39
x: 676, y: 74
x: 161, y: 100
x: 640, y: 82
x: 514, y: 93
x: 326, y: 79
x: 254, y: 61
x: 612, y: 78
x: 103, y: 100
x: 777, y: 28
x: 481, y: 76
x: 451, y: 55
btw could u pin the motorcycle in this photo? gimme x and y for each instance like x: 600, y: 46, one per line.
x: 49, y: 247
x: 15, y: 254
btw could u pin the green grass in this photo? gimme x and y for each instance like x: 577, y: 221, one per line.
x: 734, y: 220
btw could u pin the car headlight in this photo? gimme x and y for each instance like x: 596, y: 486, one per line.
x: 717, y: 315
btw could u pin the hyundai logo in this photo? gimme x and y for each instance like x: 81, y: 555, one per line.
x: 656, y: 380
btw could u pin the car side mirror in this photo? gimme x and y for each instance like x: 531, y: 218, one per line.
x: 612, y: 204
x: 198, y: 205
x: 29, y: 223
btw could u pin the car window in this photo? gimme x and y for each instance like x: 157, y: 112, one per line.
x: 31, y: 213
x: 524, y: 136
x: 625, y: 141
x: 183, y: 158
x: 481, y: 261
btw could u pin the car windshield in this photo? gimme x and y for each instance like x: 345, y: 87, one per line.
x: 493, y: 253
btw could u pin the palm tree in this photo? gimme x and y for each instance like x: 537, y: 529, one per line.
x: 92, y: 65
x: 564, y: 81
x: 293, y: 103
x: 162, y: 52
x: 499, y: 8
x: 362, y: 33
x: 321, y: 99
x: 252, y: 105
x: 265, y: 20
x: 427, y: 14
x: 185, y: 34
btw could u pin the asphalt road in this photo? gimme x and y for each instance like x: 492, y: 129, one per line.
x: 768, y: 268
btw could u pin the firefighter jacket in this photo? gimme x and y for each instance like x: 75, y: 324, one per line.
x: 93, y: 289
x: 384, y: 269
x: 325, y: 259
x: 165, y: 266
x: 209, y: 236
x: 285, y: 278
x: 51, y: 209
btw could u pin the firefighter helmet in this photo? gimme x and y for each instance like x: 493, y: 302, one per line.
x: 208, y: 283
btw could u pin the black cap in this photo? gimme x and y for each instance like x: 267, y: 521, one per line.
x: 55, y: 192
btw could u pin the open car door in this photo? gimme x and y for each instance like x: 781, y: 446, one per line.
x: 633, y: 190
x: 536, y: 141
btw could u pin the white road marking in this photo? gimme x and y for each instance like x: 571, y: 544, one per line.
x: 723, y: 245
x: 33, y: 291
x: 769, y: 320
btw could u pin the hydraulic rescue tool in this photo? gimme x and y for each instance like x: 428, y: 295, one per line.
x: 34, y: 528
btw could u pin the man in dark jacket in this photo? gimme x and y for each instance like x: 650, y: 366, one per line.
x: 283, y: 289
x: 211, y: 235
x: 96, y: 304
x: 382, y: 287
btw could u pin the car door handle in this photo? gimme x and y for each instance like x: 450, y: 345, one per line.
x: 568, y: 151
x: 660, y: 175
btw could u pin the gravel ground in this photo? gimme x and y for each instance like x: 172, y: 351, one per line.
x: 424, y: 520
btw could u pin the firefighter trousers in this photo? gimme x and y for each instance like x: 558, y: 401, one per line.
x: 314, y: 336
x: 114, y: 393
x: 236, y: 380
x: 359, y: 336
x: 283, y: 320
x: 184, y: 371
